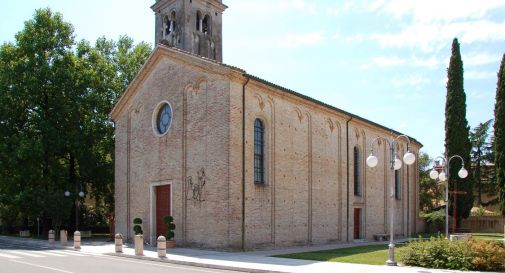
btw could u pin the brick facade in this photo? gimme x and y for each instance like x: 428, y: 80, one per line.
x: 308, y: 195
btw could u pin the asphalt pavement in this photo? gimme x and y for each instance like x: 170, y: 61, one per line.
x: 28, y: 259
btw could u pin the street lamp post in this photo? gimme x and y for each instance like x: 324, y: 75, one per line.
x: 444, y: 176
x: 395, y: 164
x: 80, y: 194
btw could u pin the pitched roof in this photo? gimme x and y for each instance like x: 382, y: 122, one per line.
x: 254, y: 78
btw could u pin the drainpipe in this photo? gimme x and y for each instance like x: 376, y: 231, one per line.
x: 243, y: 162
x: 347, y: 161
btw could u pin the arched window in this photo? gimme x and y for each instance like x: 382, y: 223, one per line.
x: 206, y: 24
x: 172, y: 21
x: 166, y: 26
x: 398, y: 185
x: 357, y: 172
x: 259, y: 152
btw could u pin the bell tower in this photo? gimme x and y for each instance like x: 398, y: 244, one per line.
x: 194, y: 26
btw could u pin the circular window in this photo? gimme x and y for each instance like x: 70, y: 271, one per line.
x: 162, y: 118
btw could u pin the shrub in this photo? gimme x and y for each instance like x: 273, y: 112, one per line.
x: 137, y: 228
x: 169, y: 222
x: 438, y: 252
x: 488, y: 255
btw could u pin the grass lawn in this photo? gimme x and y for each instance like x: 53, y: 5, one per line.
x: 487, y: 236
x: 374, y: 254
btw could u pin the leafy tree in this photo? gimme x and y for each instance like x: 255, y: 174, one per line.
x: 481, y: 155
x: 36, y: 118
x: 55, y: 97
x: 431, y: 193
x: 499, y: 134
x: 456, y: 134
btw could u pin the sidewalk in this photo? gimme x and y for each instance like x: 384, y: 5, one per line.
x: 256, y: 261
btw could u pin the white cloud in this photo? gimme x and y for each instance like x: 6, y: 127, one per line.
x: 442, y: 11
x: 388, y: 61
x: 302, y: 40
x: 427, y: 63
x: 392, y: 61
x: 341, y: 8
x: 431, y: 24
x: 416, y: 81
x: 300, y: 5
x: 436, y: 36
x: 479, y: 75
x: 479, y: 58
x: 266, y: 6
x: 357, y: 38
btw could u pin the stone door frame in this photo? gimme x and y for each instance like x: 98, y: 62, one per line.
x: 152, y: 207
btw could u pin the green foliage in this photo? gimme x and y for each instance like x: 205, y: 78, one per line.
x: 457, y: 135
x: 430, y: 192
x: 499, y: 134
x: 137, y: 226
x: 436, y: 219
x: 482, y: 154
x: 169, y: 222
x: 438, y: 252
x: 55, y: 132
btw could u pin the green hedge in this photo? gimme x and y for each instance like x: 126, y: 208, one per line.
x: 437, y: 252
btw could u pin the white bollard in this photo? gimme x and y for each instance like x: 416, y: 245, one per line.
x: 162, y: 247
x: 77, y: 240
x: 118, y: 242
x: 63, y: 237
x: 139, y: 245
x: 51, y: 236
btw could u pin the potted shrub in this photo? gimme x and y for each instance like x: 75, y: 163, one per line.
x: 139, y: 237
x: 169, y: 223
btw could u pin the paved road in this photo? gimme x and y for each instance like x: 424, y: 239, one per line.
x: 15, y: 258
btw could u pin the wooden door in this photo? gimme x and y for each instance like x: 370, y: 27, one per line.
x: 163, y: 203
x: 357, y: 223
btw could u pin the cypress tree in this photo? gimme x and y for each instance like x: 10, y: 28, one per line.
x: 499, y: 134
x: 457, y: 140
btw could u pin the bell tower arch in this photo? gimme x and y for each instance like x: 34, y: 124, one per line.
x: 194, y: 26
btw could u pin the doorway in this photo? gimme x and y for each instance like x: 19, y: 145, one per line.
x: 357, y: 223
x: 163, y: 207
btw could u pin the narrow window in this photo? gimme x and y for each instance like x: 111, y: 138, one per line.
x: 398, y: 185
x: 166, y: 25
x: 357, y: 174
x: 198, y: 21
x: 172, y: 21
x: 206, y: 24
x: 259, y: 152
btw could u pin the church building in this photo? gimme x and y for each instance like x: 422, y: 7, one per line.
x: 242, y: 163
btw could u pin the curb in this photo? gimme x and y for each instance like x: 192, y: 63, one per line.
x: 203, y: 265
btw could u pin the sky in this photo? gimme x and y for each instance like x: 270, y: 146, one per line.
x: 383, y: 60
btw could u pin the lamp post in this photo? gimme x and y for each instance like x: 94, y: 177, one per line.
x: 80, y: 194
x: 444, y: 176
x: 395, y: 164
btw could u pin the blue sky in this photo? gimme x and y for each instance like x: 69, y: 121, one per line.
x: 384, y: 60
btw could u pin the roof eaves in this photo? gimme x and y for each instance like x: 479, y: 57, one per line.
x: 327, y: 106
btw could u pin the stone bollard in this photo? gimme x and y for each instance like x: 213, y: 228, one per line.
x: 51, y: 236
x: 118, y: 241
x: 77, y: 240
x: 63, y: 237
x: 162, y: 247
x: 139, y: 245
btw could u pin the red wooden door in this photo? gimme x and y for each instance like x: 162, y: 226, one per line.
x: 162, y: 208
x: 357, y: 223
